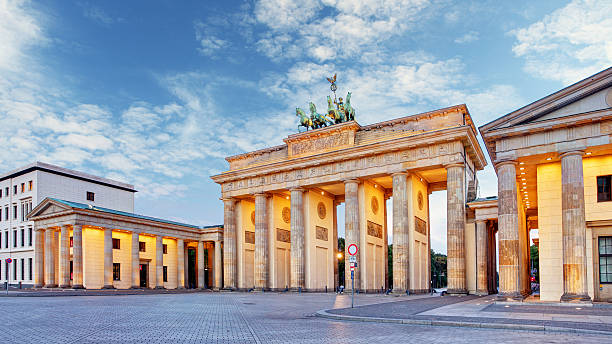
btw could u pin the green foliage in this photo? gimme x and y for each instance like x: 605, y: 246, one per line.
x: 438, y: 269
x: 535, y: 261
x: 341, y: 261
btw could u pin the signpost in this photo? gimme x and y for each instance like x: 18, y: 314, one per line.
x: 352, y: 251
x: 8, y: 275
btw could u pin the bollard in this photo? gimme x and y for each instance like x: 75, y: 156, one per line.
x: 325, y: 289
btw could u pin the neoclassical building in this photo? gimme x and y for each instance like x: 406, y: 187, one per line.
x: 553, y: 160
x: 80, y: 245
x: 280, y: 218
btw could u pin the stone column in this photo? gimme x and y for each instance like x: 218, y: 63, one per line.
x: 455, y: 228
x: 49, y: 259
x: 201, y: 265
x: 229, y: 243
x: 218, y: 266
x: 574, y: 228
x: 481, y: 258
x: 335, y: 243
x: 261, y: 241
x: 65, y: 257
x: 401, y: 226
x: 297, y: 239
x: 108, y: 259
x: 180, y: 264
x: 39, y: 257
x: 159, y: 262
x: 351, y: 230
x: 135, y: 260
x: 386, y: 243
x: 77, y: 257
x: 508, y: 226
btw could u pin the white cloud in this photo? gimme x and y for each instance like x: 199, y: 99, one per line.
x: 210, y: 43
x: 569, y: 44
x: 98, y: 15
x: 19, y: 29
x: 468, y: 37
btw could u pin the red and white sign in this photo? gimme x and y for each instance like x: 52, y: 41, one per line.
x: 352, y: 249
x: 9, y: 260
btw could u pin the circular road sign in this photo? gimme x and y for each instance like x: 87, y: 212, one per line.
x: 352, y: 249
x: 9, y: 260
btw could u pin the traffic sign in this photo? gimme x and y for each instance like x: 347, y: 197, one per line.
x: 352, y: 259
x: 9, y: 260
x: 352, y: 249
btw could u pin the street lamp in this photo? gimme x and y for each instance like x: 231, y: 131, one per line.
x: 339, y: 255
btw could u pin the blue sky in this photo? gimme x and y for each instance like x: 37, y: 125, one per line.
x: 157, y: 93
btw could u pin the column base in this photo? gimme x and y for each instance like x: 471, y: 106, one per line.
x: 456, y: 291
x: 50, y: 285
x: 575, y: 298
x: 398, y: 291
x: 37, y: 286
x: 482, y: 292
x: 78, y: 286
x: 107, y: 286
x: 514, y: 296
x: 65, y: 286
x: 159, y: 287
x: 135, y: 287
x: 180, y: 288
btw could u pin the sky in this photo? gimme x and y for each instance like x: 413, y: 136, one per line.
x: 158, y: 93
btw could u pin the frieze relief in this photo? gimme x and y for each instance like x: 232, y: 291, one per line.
x: 375, y: 230
x: 320, y: 143
x: 420, y: 225
x: 380, y: 160
x: 249, y: 237
x: 322, y: 233
x: 283, y: 235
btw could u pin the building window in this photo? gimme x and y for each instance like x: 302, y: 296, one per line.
x: 15, y: 211
x: 30, y: 268
x: 603, y: 188
x: 116, y: 272
x: 71, y: 241
x: 22, y: 237
x: 165, y: 248
x: 116, y: 244
x: 142, y: 246
x: 605, y: 259
x: 14, y: 189
x: 30, y: 236
x: 6, y: 239
x: 165, y: 274
x: 14, y: 270
x: 0, y: 197
x: 6, y: 270
x: 0, y: 214
x: 6, y: 191
x: 6, y: 213
x: 22, y: 187
x: 30, y: 184
x: 15, y: 238
x: 91, y: 196
x: 71, y: 270
x: 22, y: 268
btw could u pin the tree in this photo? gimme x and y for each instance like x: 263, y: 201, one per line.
x: 535, y: 261
x: 390, y: 262
x: 438, y: 269
x: 341, y: 261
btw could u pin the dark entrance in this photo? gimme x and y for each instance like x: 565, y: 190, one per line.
x: 191, y: 268
x: 144, y: 275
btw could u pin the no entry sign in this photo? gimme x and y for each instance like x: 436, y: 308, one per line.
x: 9, y: 260
x: 352, y: 249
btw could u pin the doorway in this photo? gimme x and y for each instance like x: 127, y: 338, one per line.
x: 191, y: 268
x: 144, y: 275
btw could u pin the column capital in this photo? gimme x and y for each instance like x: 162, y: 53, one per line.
x: 504, y: 162
x: 570, y: 153
x: 455, y: 164
x: 297, y: 188
x: 404, y: 173
x: 480, y: 221
x: 262, y: 194
x: 353, y: 180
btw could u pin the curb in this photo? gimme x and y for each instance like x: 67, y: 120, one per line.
x: 521, y: 327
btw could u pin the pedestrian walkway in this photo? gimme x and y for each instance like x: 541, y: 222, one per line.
x: 474, y: 311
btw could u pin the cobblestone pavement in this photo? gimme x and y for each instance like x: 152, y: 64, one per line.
x: 227, y: 318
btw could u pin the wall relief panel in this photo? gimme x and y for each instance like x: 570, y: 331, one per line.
x: 420, y: 225
x: 322, y: 233
x: 374, y: 229
x: 249, y: 237
x: 283, y: 235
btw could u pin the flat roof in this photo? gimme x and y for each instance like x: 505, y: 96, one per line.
x: 41, y: 166
x: 123, y: 213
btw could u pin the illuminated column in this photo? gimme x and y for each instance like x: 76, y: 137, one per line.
x: 351, y: 229
x: 39, y: 257
x: 481, y: 258
x: 335, y: 243
x: 201, y: 264
x: 65, y: 257
x: 401, y: 244
x: 261, y: 241
x: 159, y: 262
x: 508, y: 229
x: 180, y: 263
x: 77, y: 257
x: 108, y: 259
x: 229, y: 243
x: 49, y: 259
x: 218, y: 265
x: 574, y: 228
x: 455, y: 227
x: 135, y: 260
x: 297, y: 239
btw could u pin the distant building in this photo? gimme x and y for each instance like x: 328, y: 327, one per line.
x: 23, y: 189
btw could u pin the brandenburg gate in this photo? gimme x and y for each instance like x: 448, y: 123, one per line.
x: 280, y: 219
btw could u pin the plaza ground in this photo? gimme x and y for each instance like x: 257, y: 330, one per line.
x: 241, y: 318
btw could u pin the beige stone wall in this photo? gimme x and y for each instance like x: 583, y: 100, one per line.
x: 372, y: 249
x: 419, y: 251
x: 123, y: 256
x: 280, y: 252
x: 602, y: 292
x: 149, y: 257
x: 93, y: 258
x: 319, y: 254
x: 470, y: 256
x: 246, y: 251
x: 549, y: 221
x: 170, y: 260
